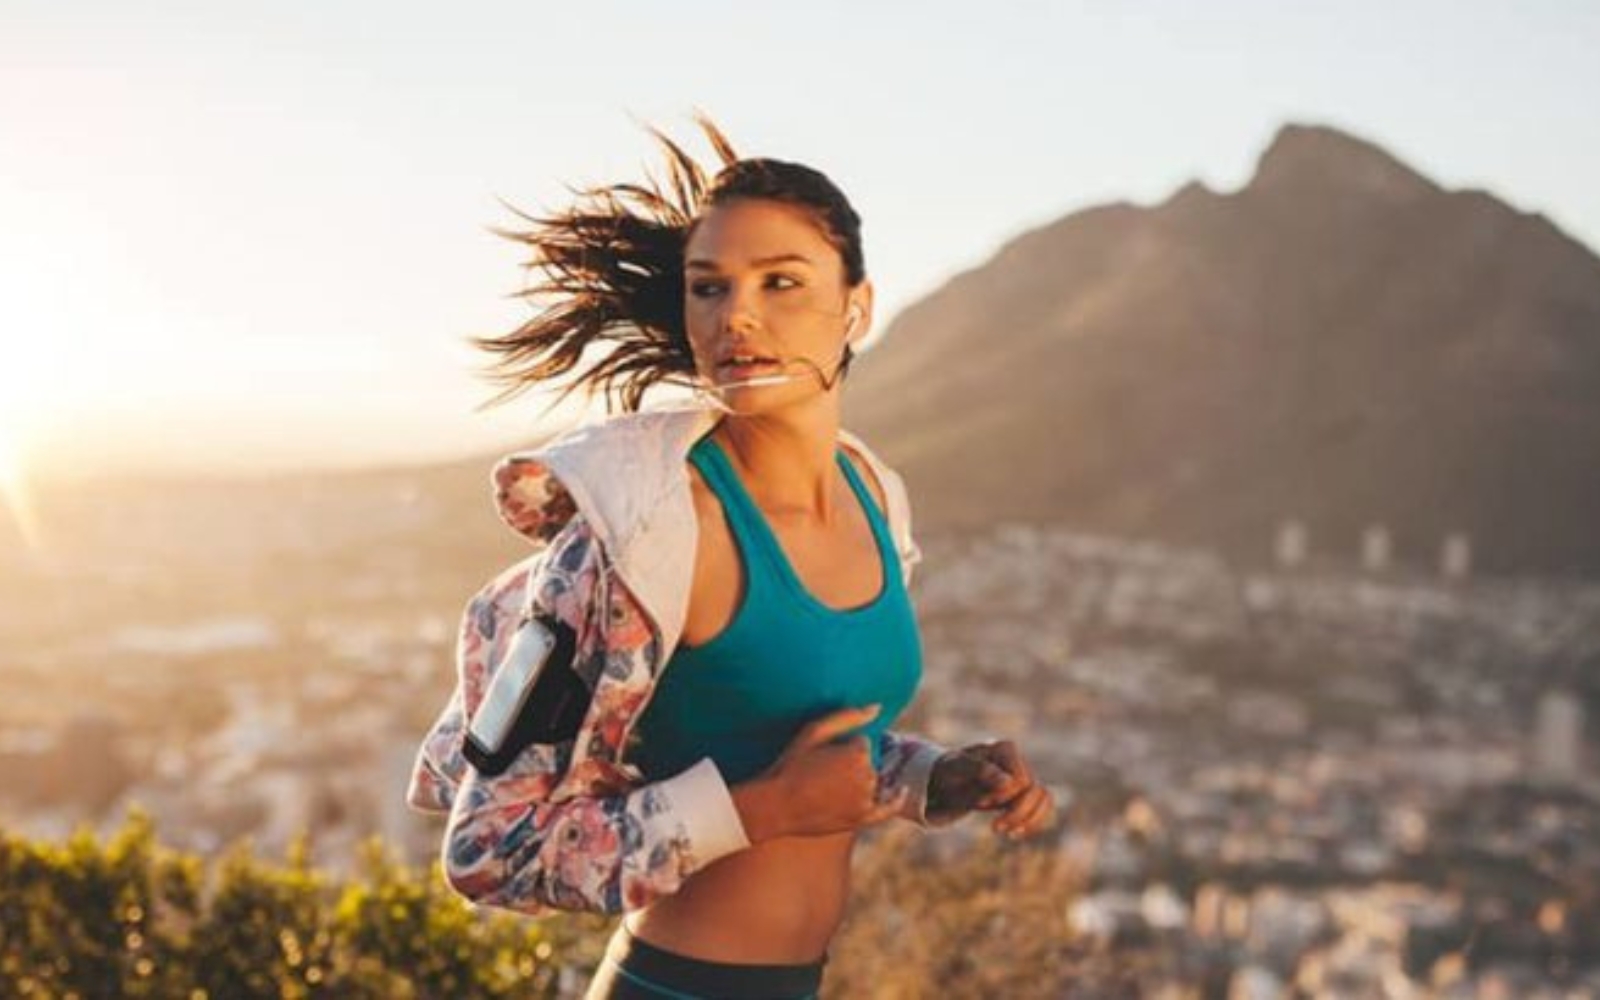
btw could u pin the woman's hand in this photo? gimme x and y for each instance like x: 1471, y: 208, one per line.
x: 990, y: 776
x: 821, y: 784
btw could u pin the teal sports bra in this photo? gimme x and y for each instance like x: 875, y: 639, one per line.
x: 785, y: 658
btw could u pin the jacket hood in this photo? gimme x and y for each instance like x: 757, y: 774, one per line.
x: 616, y: 472
x: 626, y: 476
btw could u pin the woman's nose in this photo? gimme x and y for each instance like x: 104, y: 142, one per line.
x: 740, y: 314
x: 741, y: 322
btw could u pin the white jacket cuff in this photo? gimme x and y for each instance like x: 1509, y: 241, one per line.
x: 705, y: 808
x: 917, y: 776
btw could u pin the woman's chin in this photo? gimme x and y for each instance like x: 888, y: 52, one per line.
x: 761, y: 400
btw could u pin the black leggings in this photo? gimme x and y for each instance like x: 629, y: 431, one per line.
x: 637, y: 970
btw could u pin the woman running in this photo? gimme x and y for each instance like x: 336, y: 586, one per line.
x: 679, y: 707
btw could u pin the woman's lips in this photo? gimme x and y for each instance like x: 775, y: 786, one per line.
x: 746, y: 369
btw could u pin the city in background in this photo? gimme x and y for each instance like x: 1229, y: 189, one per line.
x: 1331, y: 770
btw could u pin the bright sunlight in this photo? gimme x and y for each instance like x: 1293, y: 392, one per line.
x: 41, y: 268
x: 26, y: 371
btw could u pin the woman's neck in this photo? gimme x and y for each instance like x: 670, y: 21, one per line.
x: 786, y: 459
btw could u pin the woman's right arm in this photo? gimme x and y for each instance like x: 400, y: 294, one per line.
x: 541, y: 834
x: 823, y: 782
x: 509, y: 845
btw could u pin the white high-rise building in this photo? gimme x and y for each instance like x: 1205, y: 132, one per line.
x: 1292, y: 544
x: 1455, y: 557
x: 1375, y: 549
x: 1558, y: 736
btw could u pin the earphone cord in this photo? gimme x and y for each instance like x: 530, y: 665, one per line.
x: 838, y: 371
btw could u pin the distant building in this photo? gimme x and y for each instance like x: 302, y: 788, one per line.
x: 1292, y: 544
x: 1111, y: 915
x: 1558, y: 736
x: 1375, y: 549
x: 1455, y: 557
x: 1219, y: 913
x: 1255, y: 982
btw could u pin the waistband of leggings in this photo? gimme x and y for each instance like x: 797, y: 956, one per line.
x: 700, y: 975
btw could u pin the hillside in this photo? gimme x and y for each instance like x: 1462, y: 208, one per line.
x: 1341, y: 341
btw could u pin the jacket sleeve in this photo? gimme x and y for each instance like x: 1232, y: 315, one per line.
x: 538, y: 836
x: 907, y: 761
x: 440, y: 766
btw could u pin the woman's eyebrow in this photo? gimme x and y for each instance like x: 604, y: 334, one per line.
x: 701, y: 264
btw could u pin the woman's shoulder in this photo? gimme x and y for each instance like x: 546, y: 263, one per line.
x: 890, y: 492
x: 868, y: 476
x: 886, y: 485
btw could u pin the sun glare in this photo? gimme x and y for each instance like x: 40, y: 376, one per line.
x: 10, y: 466
x: 10, y: 459
x: 24, y: 387
x: 14, y: 501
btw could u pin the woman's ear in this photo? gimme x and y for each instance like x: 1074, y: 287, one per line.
x: 858, y: 319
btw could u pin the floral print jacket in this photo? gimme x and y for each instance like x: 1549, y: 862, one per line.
x: 573, y: 825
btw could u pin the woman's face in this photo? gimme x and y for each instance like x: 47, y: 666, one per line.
x: 763, y: 286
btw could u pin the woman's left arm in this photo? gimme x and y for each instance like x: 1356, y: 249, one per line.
x: 994, y: 777
x: 945, y: 785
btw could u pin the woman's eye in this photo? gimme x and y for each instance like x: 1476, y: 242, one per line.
x: 782, y: 282
x: 704, y: 289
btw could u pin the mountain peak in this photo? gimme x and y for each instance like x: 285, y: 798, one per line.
x: 1317, y: 156
x: 1348, y: 341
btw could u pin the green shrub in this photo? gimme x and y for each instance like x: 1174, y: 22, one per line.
x: 129, y: 918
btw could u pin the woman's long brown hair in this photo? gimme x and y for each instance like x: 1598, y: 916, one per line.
x: 608, y: 276
x: 608, y: 273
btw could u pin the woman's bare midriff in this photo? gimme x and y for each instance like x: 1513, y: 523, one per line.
x: 778, y: 902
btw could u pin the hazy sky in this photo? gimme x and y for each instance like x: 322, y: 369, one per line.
x: 248, y: 235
